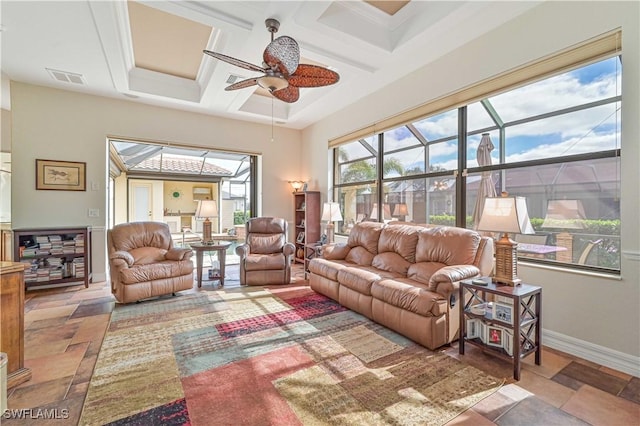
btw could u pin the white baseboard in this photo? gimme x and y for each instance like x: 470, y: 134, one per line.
x: 96, y: 278
x: 591, y: 352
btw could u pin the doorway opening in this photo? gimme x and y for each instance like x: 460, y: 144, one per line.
x: 164, y: 183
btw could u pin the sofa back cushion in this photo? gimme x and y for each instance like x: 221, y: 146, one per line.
x: 396, y: 248
x: 363, y: 242
x: 447, y: 245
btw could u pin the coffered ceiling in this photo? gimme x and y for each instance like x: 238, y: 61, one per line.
x: 151, y: 51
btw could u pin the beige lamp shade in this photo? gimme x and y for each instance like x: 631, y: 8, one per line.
x: 331, y: 212
x: 400, y: 210
x: 207, y: 209
x: 506, y: 214
x: 564, y: 214
x: 386, y: 211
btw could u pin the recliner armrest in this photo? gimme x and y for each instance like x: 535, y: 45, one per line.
x: 242, y: 251
x: 178, y: 254
x: 124, y: 256
x: 288, y: 249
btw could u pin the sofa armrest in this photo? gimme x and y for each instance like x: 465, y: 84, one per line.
x: 336, y: 251
x: 122, y: 257
x: 178, y: 254
x: 447, y: 280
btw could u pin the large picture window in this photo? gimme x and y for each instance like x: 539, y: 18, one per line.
x: 554, y: 141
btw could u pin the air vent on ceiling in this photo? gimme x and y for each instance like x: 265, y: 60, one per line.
x: 66, y: 77
x: 234, y: 78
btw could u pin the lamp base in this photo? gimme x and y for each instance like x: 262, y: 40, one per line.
x: 206, y: 232
x: 330, y: 232
x: 506, y: 262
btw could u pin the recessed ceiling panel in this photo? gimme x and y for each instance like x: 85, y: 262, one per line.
x: 166, y: 43
x: 388, y: 7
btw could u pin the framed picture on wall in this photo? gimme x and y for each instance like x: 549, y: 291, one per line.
x: 61, y: 175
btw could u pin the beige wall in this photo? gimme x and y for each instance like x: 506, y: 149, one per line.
x: 62, y: 125
x: 592, y: 310
x: 5, y: 131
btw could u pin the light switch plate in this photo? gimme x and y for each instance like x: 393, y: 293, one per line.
x: 94, y: 212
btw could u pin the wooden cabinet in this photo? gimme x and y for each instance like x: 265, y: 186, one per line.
x: 6, y: 253
x: 12, y: 321
x: 306, y: 221
x: 54, y: 255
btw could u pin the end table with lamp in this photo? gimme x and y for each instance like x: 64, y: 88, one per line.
x: 220, y: 247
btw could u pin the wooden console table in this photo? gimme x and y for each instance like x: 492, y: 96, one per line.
x: 12, y: 320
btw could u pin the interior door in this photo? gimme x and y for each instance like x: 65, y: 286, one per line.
x: 140, y: 202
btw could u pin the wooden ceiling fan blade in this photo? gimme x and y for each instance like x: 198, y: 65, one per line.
x: 234, y: 61
x: 282, y: 55
x: 288, y: 94
x: 313, y: 76
x: 242, y: 84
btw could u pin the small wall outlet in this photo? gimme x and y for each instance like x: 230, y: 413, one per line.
x: 94, y: 212
x: 95, y: 186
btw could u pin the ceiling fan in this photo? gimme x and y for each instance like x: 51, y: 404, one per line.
x: 283, y: 72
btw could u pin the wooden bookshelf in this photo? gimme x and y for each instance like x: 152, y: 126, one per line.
x: 53, y: 255
x: 306, y: 221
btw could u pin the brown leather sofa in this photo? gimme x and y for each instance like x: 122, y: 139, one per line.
x: 266, y: 256
x: 404, y: 277
x: 143, y: 262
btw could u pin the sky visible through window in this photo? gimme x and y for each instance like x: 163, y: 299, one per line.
x: 588, y: 130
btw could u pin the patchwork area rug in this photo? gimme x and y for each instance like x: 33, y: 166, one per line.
x: 253, y: 356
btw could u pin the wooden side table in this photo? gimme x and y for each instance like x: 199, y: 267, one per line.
x: 522, y: 321
x: 219, y: 247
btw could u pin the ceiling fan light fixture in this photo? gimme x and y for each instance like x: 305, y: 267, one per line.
x: 272, y: 83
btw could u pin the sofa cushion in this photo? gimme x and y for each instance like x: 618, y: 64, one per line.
x: 155, y: 271
x: 423, y: 271
x: 327, y: 268
x: 266, y: 243
x: 257, y: 262
x: 409, y: 295
x: 447, y: 245
x: 360, y: 256
x: 391, y: 262
x: 357, y: 279
x: 147, y: 255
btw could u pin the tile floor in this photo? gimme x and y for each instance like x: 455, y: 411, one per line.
x: 64, y: 329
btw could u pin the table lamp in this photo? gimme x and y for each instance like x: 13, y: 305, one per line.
x: 401, y: 211
x: 386, y: 212
x: 206, y: 209
x: 506, y: 215
x: 331, y: 213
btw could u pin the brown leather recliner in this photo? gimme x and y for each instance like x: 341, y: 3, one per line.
x: 266, y: 256
x: 143, y: 262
